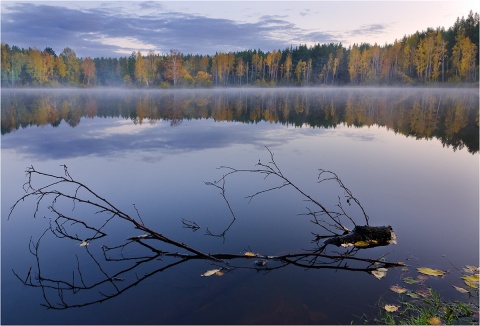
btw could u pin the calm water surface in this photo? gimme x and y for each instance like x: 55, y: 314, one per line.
x: 409, y: 155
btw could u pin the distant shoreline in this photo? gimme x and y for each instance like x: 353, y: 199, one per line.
x: 250, y: 87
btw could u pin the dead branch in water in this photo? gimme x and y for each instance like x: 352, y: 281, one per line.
x: 119, y: 264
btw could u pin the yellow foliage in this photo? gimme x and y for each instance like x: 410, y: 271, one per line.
x: 430, y: 271
x: 397, y: 289
x: 471, y: 280
x: 434, y: 321
x: 379, y: 273
x: 391, y: 308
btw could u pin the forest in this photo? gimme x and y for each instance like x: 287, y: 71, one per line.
x: 437, y: 55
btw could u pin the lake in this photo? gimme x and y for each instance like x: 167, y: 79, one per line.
x: 409, y: 155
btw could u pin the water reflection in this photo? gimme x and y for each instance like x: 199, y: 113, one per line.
x: 450, y: 115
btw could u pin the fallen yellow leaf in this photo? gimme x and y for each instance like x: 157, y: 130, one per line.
x: 430, y: 271
x: 397, y: 289
x: 84, y: 243
x: 249, y: 254
x: 210, y: 272
x: 471, y: 269
x: 219, y: 273
x: 471, y: 280
x: 391, y: 307
x: 379, y: 273
x: 434, y: 321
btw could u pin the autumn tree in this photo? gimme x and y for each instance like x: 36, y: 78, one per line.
x: 354, y: 64
x: 35, y: 67
x: 288, y: 67
x: 240, y: 69
x: 60, y: 68
x: 300, y: 70
x: 203, y: 79
x: 174, y: 67
x: 88, y: 70
x: 464, y: 58
x: 72, y: 65
x: 49, y: 65
x: 140, y: 70
x: 151, y: 66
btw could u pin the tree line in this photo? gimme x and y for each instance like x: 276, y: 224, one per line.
x: 431, y: 56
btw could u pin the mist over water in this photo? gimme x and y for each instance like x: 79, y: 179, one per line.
x: 447, y: 114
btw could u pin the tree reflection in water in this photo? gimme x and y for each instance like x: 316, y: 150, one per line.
x: 450, y: 115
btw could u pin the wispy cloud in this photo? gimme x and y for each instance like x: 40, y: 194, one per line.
x: 112, y: 30
x: 369, y: 30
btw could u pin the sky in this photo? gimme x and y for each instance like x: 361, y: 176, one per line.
x: 116, y: 28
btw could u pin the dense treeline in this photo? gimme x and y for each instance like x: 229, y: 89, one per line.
x: 435, y: 55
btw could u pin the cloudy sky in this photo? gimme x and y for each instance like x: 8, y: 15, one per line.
x: 116, y: 28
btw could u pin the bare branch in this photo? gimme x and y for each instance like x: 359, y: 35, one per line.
x: 125, y: 263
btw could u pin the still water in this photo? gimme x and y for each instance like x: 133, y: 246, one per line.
x: 410, y: 156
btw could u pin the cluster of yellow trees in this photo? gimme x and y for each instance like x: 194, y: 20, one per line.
x: 426, y: 58
x: 431, y: 56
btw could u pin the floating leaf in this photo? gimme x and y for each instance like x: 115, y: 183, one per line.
x: 434, y: 321
x: 219, y: 273
x: 345, y: 245
x: 211, y: 272
x: 424, y: 293
x: 379, y: 272
x: 410, y: 280
x: 471, y: 280
x: 84, y: 243
x: 391, y: 307
x: 249, y: 254
x: 471, y: 269
x: 413, y: 295
x: 397, y: 289
x: 460, y: 289
x: 430, y: 271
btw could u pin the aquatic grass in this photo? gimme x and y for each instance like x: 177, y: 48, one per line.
x: 424, y: 311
